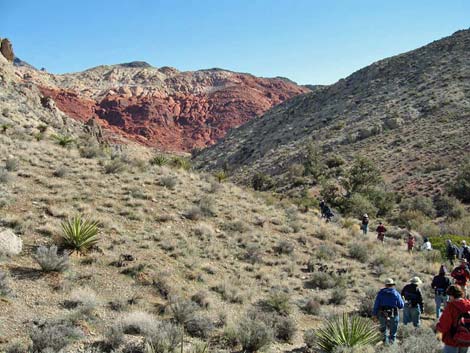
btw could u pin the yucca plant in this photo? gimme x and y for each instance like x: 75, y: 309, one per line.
x: 63, y: 140
x: 181, y: 163
x: 346, y: 331
x: 159, y: 160
x: 80, y: 234
x: 221, y: 176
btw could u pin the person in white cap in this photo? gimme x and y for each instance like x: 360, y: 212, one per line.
x: 413, y: 302
x: 365, y: 223
x: 386, y: 306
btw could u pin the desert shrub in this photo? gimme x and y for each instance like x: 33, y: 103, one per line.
x: 345, y: 330
x: 11, y: 164
x: 169, y: 181
x: 262, y: 182
x: 53, y: 335
x: 359, y: 251
x: 138, y: 323
x: 203, y: 231
x: 459, y: 226
x: 201, y: 299
x: 448, y: 206
x: 253, y: 335
x: 310, y: 338
x: 159, y: 160
x: 285, y: 329
x: 331, y: 192
x: 433, y: 256
x: 91, y: 150
x: 383, y: 200
x: 207, y: 206
x: 199, y: 326
x: 322, y: 280
x: 63, y: 140
x: 362, y: 174
x: 461, y: 185
x: 194, y: 213
x: 311, y: 306
x: 360, y: 349
x: 60, y: 172
x: 338, y: 296
x: 5, y: 177
x: 164, y: 338
x: 17, y: 347
x: 5, y: 289
x: 284, y: 247
x: 252, y: 254
x: 114, y: 166
x: 414, y: 340
x: 181, y: 163
x: 334, y: 161
x: 418, y: 203
x: 229, y: 292
x: 439, y: 243
x: 278, y: 300
x: 182, y: 310
x: 80, y: 234
x: 358, y: 204
x: 366, y: 302
x: 411, y: 219
x: 162, y: 283
x: 221, y: 176
x: 313, y: 162
x: 50, y: 260
x: 84, y: 299
x: 325, y: 252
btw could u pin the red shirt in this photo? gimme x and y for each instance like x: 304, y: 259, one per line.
x: 461, y: 275
x: 448, y: 318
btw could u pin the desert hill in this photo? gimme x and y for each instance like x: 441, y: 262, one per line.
x: 410, y: 114
x: 162, y: 107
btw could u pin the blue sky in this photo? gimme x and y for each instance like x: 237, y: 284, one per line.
x: 309, y: 41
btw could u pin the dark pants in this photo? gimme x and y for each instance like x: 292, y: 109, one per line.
x: 390, y: 324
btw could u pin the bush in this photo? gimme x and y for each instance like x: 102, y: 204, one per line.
x: 159, y: 160
x: 322, y: 280
x: 448, y: 206
x: 164, y: 338
x: 138, y: 323
x: 11, y: 164
x: 200, y: 298
x: 182, y: 310
x: 338, y: 296
x: 284, y: 247
x: 229, y: 292
x: 80, y: 234
x: 181, y: 163
x: 285, y: 329
x: 325, y: 252
x: 415, y: 340
x: 53, y: 335
x: 345, y: 330
x: 253, y: 254
x: 366, y: 303
x: 461, y: 186
x: 199, y: 326
x: 439, y: 243
x: 253, y: 335
x: 92, y: 150
x: 207, y: 206
x: 362, y: 174
x: 194, y: 213
x: 5, y: 289
x: 262, y: 182
x: 419, y: 203
x: 114, y: 166
x: 50, y: 261
x: 310, y: 338
x: 60, y: 172
x: 358, y: 204
x: 279, y: 301
x: 5, y: 177
x: 312, y: 307
x: 63, y: 140
x: 84, y: 299
x: 359, y: 252
x: 169, y: 181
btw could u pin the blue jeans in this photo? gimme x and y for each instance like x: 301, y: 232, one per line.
x: 440, y: 299
x: 451, y: 349
x: 411, y: 314
x: 392, y: 325
x: 365, y: 228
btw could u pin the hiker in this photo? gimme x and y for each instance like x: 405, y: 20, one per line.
x: 451, y: 251
x: 465, y: 251
x: 328, y: 214
x: 381, y: 232
x: 322, y: 208
x: 386, y: 306
x: 410, y: 243
x: 413, y: 302
x: 453, y: 326
x: 426, y: 245
x: 440, y: 283
x: 365, y: 224
x: 461, y: 275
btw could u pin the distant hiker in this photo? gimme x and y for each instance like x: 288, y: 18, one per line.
x: 426, y: 245
x: 381, y: 232
x: 386, y: 306
x: 461, y: 275
x: 328, y: 214
x: 451, y: 251
x: 453, y: 327
x: 410, y: 243
x: 440, y: 283
x: 322, y: 208
x: 413, y: 302
x: 365, y: 224
x: 465, y: 251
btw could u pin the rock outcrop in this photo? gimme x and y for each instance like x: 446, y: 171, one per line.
x: 7, y: 49
x: 163, y: 107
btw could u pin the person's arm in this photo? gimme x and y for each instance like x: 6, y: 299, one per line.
x: 420, y: 300
x: 445, y: 321
x: 400, y: 302
x: 433, y: 283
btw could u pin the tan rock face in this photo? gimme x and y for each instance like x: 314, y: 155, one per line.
x: 165, y: 108
x: 7, y: 50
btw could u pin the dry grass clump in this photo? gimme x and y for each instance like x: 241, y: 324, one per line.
x: 253, y: 335
x: 359, y: 252
x: 322, y: 280
x: 203, y: 231
x: 84, y: 299
x: 284, y: 247
x: 181, y: 309
x: 138, y: 323
x: 53, y: 335
x: 50, y: 260
x: 311, y: 306
x: 229, y: 292
x: 169, y: 181
x: 5, y: 289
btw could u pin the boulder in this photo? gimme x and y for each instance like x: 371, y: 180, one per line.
x: 7, y: 50
x: 10, y: 243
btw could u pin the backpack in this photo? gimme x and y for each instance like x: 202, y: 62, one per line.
x: 461, y: 330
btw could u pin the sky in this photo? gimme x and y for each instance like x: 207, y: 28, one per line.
x: 308, y: 41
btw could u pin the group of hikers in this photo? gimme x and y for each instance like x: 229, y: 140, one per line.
x: 452, y: 307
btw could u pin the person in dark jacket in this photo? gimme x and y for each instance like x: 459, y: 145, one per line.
x: 446, y: 325
x: 413, y: 302
x: 440, y: 283
x: 381, y: 232
x: 465, y: 251
x: 387, y: 303
x: 365, y: 224
x: 451, y: 251
x: 322, y: 208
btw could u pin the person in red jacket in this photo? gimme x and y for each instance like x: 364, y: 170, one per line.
x: 411, y: 242
x: 450, y: 316
x: 461, y: 275
x: 381, y: 232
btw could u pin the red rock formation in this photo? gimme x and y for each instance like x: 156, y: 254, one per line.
x: 6, y: 49
x: 190, y: 110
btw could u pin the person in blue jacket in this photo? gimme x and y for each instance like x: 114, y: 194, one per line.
x: 386, y: 306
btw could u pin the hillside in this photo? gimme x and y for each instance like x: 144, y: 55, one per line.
x: 174, y: 247
x: 410, y: 114
x: 162, y: 107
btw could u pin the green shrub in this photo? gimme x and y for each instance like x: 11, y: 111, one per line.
x: 63, y: 140
x: 199, y: 326
x: 418, y: 203
x: 338, y: 296
x: 182, y: 310
x: 359, y: 252
x: 325, y: 252
x: 159, y: 160
x: 80, y: 234
x: 181, y: 163
x: 322, y: 280
x: 164, y: 338
x: 439, y: 243
x: 285, y: 329
x: 253, y: 335
x: 169, y: 181
x: 50, y: 261
x: 284, y: 247
x: 114, y: 166
x: 461, y: 186
x: 262, y: 182
x: 346, y: 331
x: 362, y: 174
x: 448, y: 206
x: 221, y: 176
x: 358, y: 204
x: 279, y: 301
